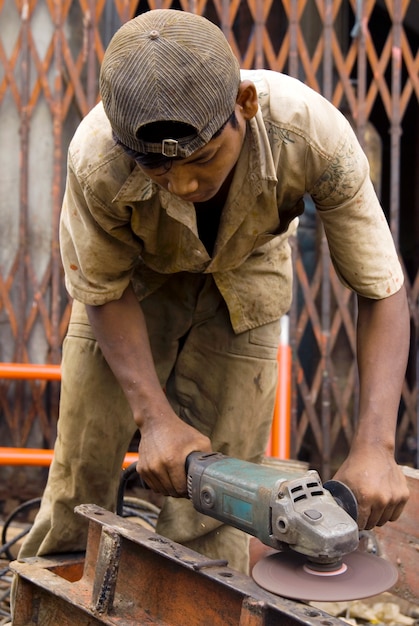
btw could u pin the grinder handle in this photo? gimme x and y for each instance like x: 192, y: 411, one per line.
x: 188, y: 460
x: 202, y: 459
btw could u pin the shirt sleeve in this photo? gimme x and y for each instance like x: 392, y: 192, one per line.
x: 360, y: 242
x: 98, y: 247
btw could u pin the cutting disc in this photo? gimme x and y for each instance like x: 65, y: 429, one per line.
x: 288, y: 574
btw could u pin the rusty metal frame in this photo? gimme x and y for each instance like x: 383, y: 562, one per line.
x: 120, y: 582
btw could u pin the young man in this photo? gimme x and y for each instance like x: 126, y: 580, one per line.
x: 183, y: 189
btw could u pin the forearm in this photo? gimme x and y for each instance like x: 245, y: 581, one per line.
x: 382, y: 350
x: 121, y: 332
x: 370, y: 469
x: 120, y: 329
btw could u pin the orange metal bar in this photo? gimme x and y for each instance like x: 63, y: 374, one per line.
x: 280, y: 438
x: 42, y: 458
x: 30, y: 371
x: 281, y: 428
x: 279, y: 442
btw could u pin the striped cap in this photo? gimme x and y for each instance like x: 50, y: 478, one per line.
x: 168, y: 66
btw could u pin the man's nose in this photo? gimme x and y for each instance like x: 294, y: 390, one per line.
x: 181, y: 182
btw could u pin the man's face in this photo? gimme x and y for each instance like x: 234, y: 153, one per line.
x: 199, y: 177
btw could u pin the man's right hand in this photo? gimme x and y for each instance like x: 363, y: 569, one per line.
x: 165, y: 444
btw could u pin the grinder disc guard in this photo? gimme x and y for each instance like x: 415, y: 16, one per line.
x: 288, y: 574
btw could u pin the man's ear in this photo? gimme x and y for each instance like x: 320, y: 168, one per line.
x: 247, y: 99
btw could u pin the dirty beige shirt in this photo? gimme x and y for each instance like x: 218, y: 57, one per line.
x: 117, y: 225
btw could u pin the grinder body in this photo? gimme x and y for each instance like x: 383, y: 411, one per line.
x: 282, y: 509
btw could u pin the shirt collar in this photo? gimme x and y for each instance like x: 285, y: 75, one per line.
x: 138, y: 187
x: 261, y: 159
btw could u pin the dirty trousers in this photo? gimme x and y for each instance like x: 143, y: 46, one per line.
x: 220, y: 382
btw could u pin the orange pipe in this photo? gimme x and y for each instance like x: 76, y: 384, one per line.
x: 281, y: 425
x: 30, y: 371
x: 279, y: 445
x: 35, y: 456
x: 42, y: 458
x: 279, y: 442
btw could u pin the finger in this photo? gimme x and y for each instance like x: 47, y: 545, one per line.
x: 178, y: 482
x: 161, y: 485
x: 390, y: 511
x: 364, y: 523
x: 370, y: 516
x: 151, y: 479
x: 380, y: 520
x: 381, y: 515
x: 363, y: 517
x: 163, y: 482
x: 391, y: 514
x: 397, y: 511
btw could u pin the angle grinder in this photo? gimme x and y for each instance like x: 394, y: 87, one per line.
x: 312, y: 526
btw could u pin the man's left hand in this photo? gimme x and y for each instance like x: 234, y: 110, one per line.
x: 378, y: 484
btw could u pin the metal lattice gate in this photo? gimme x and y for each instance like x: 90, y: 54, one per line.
x: 362, y: 55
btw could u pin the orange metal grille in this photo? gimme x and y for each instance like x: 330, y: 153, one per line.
x: 363, y: 56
